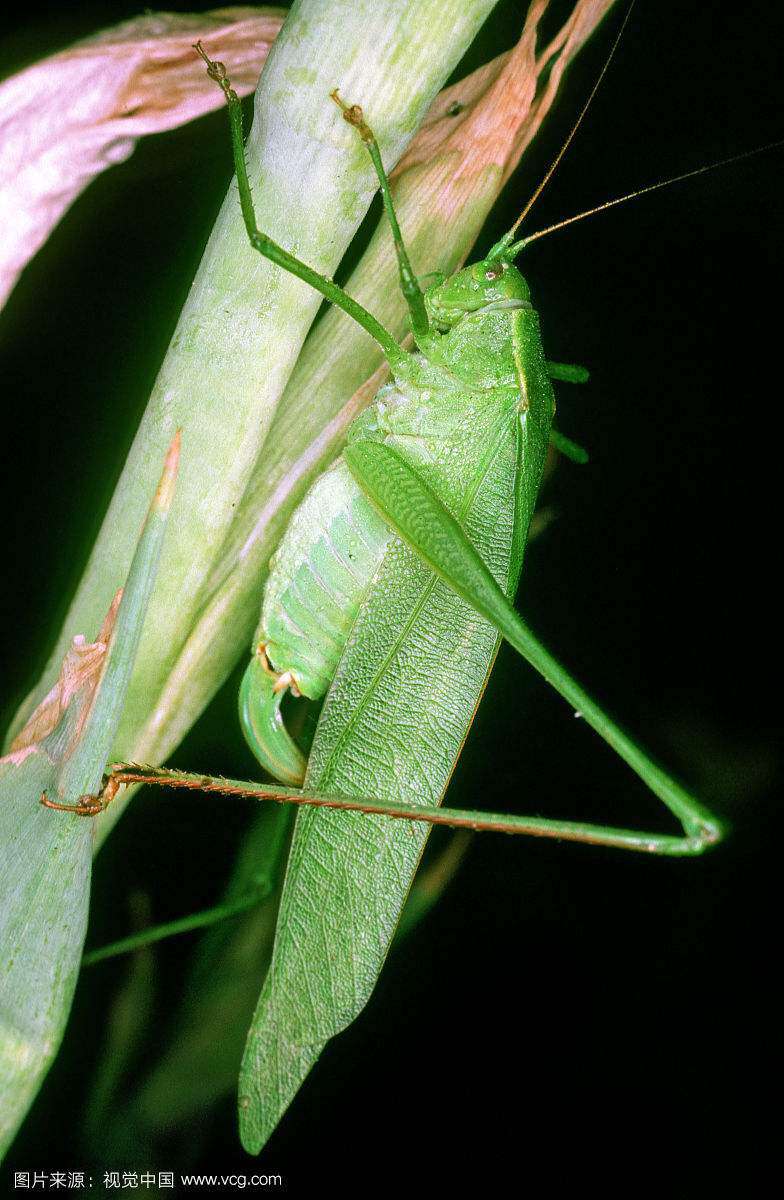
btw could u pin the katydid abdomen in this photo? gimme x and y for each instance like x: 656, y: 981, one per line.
x: 318, y: 576
x: 331, y: 550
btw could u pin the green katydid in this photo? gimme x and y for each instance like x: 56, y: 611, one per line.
x: 448, y: 460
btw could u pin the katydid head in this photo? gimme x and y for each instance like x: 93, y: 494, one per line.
x: 487, y: 286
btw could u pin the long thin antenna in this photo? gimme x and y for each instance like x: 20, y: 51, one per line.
x: 516, y: 247
x: 551, y: 169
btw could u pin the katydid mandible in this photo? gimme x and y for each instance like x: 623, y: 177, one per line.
x: 447, y: 460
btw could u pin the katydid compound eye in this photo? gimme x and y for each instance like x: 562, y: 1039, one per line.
x: 492, y: 274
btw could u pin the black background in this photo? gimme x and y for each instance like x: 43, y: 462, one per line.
x: 567, y: 1017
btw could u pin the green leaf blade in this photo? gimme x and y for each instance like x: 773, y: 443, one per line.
x: 45, y: 856
x: 45, y: 865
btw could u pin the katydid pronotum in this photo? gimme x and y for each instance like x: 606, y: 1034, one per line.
x: 516, y: 372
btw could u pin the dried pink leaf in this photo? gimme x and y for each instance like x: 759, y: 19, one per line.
x: 65, y: 120
x: 489, y: 118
